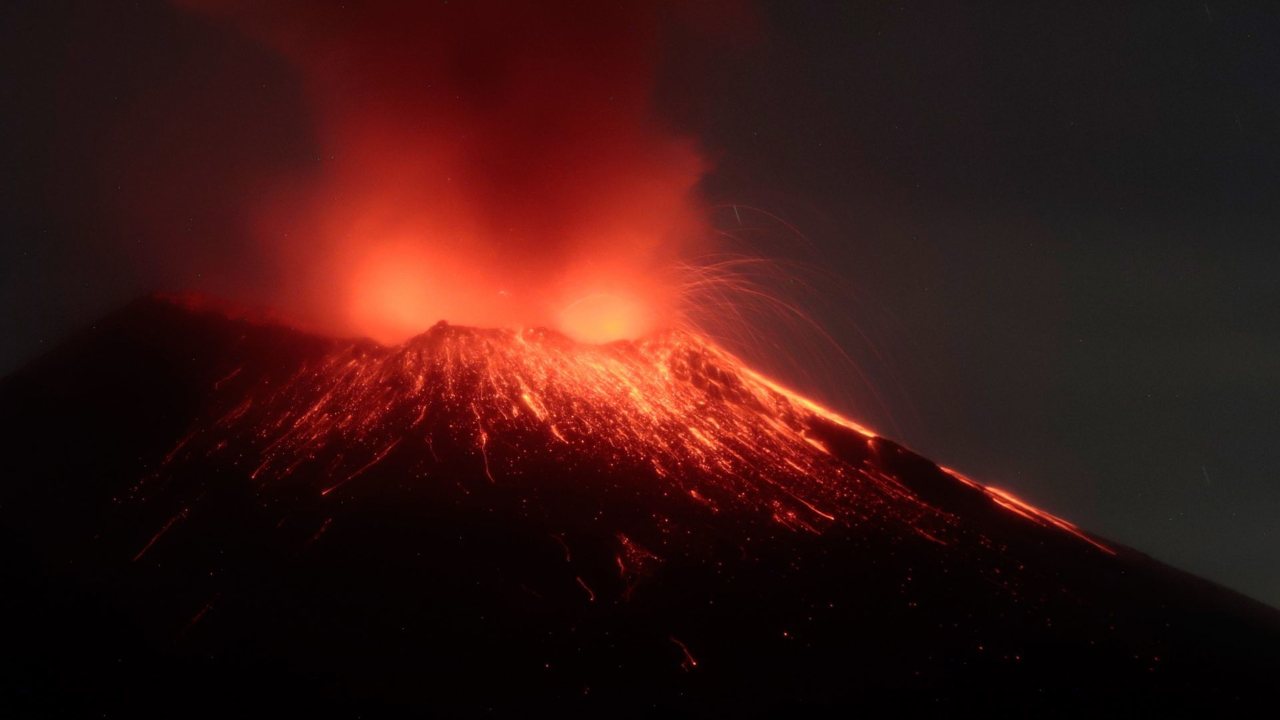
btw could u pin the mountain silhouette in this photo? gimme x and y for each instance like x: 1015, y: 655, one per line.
x: 206, y: 514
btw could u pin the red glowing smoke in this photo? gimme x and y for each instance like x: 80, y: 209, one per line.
x: 487, y: 163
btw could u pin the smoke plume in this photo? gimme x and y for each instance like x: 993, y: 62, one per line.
x: 489, y: 163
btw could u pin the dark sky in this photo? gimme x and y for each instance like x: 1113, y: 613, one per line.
x: 1052, y: 227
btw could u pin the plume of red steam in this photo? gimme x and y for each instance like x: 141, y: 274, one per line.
x: 487, y: 163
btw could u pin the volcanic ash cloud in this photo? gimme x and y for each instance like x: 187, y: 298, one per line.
x: 495, y: 164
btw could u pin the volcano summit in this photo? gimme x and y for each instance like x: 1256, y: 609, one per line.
x: 207, y: 515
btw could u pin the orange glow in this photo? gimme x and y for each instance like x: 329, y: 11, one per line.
x: 603, y: 317
x: 394, y: 295
x: 490, y: 164
x: 1008, y: 501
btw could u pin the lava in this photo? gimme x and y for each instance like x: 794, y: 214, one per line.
x: 1008, y: 501
x: 635, y: 563
x: 673, y: 406
x: 673, y: 403
x: 641, y: 516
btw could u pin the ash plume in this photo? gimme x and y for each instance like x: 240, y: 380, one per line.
x: 498, y: 164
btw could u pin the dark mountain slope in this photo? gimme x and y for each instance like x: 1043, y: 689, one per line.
x: 205, y: 515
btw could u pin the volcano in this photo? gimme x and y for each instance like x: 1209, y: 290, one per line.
x: 206, y: 514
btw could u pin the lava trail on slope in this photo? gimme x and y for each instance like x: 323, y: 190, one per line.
x: 204, y: 514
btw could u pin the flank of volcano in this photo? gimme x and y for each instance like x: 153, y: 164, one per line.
x: 203, y: 510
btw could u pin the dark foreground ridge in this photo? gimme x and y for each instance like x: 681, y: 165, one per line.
x: 204, y: 515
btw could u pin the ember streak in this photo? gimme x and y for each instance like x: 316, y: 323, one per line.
x: 689, y: 662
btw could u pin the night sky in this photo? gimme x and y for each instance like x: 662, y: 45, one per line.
x: 1047, y: 230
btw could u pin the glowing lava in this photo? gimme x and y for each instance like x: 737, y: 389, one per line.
x: 672, y: 407
x: 481, y: 514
